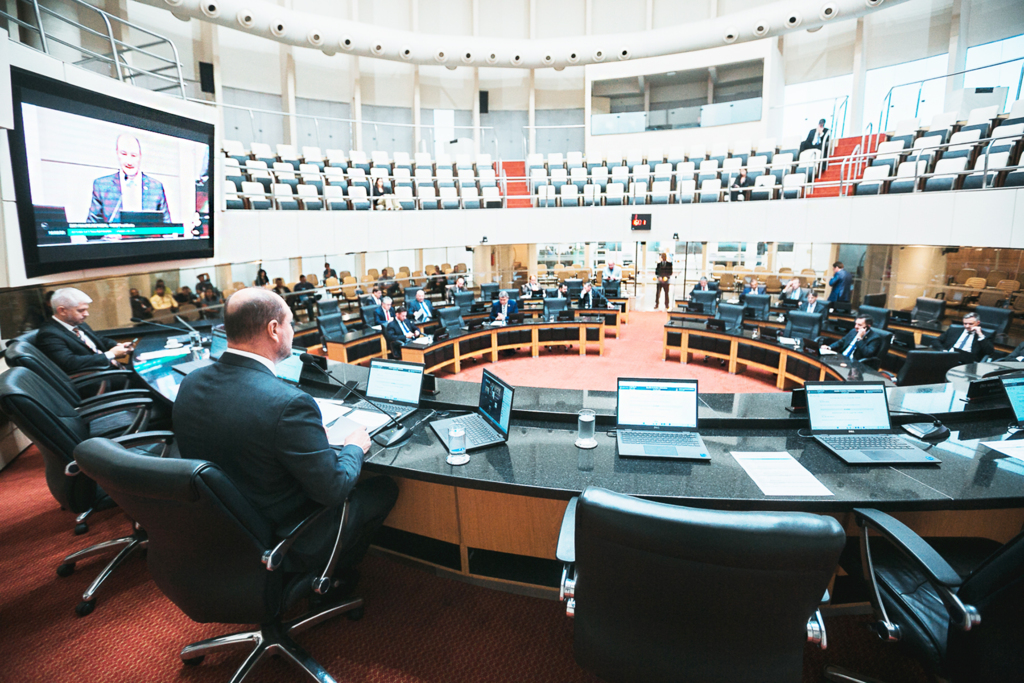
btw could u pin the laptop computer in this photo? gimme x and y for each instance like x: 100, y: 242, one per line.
x: 218, y: 345
x: 851, y: 419
x: 1014, y: 386
x: 657, y: 418
x: 489, y: 425
x: 393, y: 385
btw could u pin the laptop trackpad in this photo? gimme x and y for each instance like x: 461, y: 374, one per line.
x: 659, y: 450
x: 883, y: 456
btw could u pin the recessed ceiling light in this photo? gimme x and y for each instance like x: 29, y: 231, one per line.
x: 671, y: 73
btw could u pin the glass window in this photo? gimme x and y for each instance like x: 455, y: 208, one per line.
x: 444, y: 128
x: 806, y: 103
x: 910, y: 98
x: 1004, y: 76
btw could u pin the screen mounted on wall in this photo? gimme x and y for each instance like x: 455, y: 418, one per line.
x: 103, y: 182
x: 640, y: 221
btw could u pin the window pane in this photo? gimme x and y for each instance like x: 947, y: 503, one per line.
x: 904, y: 80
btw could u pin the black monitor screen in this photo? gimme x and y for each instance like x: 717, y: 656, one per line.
x: 640, y: 221
x: 103, y: 182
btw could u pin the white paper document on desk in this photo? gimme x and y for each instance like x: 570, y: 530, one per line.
x: 368, y: 418
x: 779, y: 474
x: 330, y: 411
x: 1014, y: 449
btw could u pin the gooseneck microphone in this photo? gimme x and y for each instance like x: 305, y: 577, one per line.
x: 400, y: 433
x: 166, y: 327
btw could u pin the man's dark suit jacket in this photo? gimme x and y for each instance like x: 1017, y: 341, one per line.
x: 381, y: 320
x: 587, y: 300
x: 1015, y: 354
x: 393, y: 331
x: 840, y: 283
x: 106, y: 199
x: 809, y: 140
x: 69, y: 352
x: 948, y: 339
x: 496, y: 308
x: 712, y: 287
x: 269, y: 438
x: 416, y: 307
x: 868, y: 347
x: 819, y: 307
x: 747, y: 289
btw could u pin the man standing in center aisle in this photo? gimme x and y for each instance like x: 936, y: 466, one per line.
x: 662, y: 272
x: 269, y: 438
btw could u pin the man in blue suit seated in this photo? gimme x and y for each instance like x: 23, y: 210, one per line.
x: 841, y: 283
x: 269, y: 438
x: 422, y: 310
x: 860, y: 343
x: 399, y: 331
x: 755, y: 287
x: 127, y: 190
x: 812, y: 305
x: 503, y: 308
x: 588, y: 299
x: 384, y: 314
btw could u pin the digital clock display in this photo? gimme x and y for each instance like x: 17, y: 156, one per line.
x: 640, y: 221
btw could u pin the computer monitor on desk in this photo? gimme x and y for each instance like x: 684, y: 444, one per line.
x: 1014, y: 386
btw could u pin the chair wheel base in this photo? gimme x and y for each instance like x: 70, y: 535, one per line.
x: 355, y: 614
x: 84, y: 609
x: 193, y: 661
x: 81, y: 528
x: 66, y: 569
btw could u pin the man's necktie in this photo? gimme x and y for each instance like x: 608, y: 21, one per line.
x: 85, y: 340
x: 849, y: 350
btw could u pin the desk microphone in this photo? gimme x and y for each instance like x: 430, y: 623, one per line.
x: 400, y: 433
x: 166, y: 327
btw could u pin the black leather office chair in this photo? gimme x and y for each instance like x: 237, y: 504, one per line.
x: 410, y: 294
x: 575, y: 286
x: 214, y: 556
x: 712, y: 595
x: 489, y: 291
x: 928, y: 310
x: 994, y: 320
x: 800, y: 324
x: 708, y: 299
x: 732, y: 314
x: 325, y: 307
x: 758, y: 305
x: 464, y: 300
x: 959, y: 616
x: 80, y: 391
x: 879, y: 316
x: 29, y: 337
x: 883, y: 350
x: 56, y: 428
x: 875, y: 300
x: 927, y: 367
x: 550, y: 292
x: 369, y: 314
x: 612, y: 288
x: 553, y: 306
x: 451, y: 318
x: 331, y: 327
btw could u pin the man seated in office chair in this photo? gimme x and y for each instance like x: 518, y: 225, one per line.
x: 812, y: 305
x: 860, y: 343
x: 793, y: 290
x: 611, y: 273
x: 588, y: 298
x: 399, y: 331
x: 374, y: 298
x: 69, y: 342
x: 503, y: 308
x: 1017, y: 354
x: 704, y: 286
x: 563, y: 293
x: 969, y: 340
x: 459, y: 286
x: 532, y: 289
x: 755, y: 287
x: 384, y: 314
x: 422, y: 309
x: 268, y: 437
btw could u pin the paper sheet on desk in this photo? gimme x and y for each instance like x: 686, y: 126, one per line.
x: 779, y: 474
x: 163, y: 353
x: 1014, y: 449
x: 369, y: 419
x: 331, y: 410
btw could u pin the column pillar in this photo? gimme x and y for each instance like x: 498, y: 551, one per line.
x: 476, y: 110
x: 417, y: 120
x: 855, y: 110
x: 357, y: 97
x: 531, y: 115
x: 959, y: 21
x: 291, y: 127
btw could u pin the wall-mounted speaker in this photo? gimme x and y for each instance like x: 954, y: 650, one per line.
x: 206, y: 77
x: 483, y: 101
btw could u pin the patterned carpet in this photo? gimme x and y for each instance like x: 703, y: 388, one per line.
x: 635, y: 353
x: 418, y: 628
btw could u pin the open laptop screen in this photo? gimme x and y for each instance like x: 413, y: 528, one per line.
x: 395, y: 381
x: 657, y: 403
x: 496, y: 402
x: 847, y: 406
x: 1015, y: 392
x: 218, y: 343
x: 290, y: 369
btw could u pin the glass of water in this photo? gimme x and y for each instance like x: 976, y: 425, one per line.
x: 457, y: 446
x: 585, y: 429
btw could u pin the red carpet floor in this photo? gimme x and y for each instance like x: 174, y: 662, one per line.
x: 636, y: 353
x: 418, y: 628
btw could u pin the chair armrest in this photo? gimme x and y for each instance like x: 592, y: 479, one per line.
x: 114, y: 396
x: 91, y: 378
x: 566, y: 550
x: 94, y: 412
x: 145, y: 439
x: 274, y: 557
x: 910, y: 544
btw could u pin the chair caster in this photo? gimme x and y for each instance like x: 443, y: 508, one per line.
x: 81, y: 528
x: 355, y: 614
x: 66, y: 569
x: 84, y: 609
x: 193, y: 661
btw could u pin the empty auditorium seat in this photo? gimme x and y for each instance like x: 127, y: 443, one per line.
x: 905, y: 176
x: 634, y: 157
x: 741, y: 151
x: 255, y: 196
x: 334, y: 197
x: 235, y: 150
x: 259, y: 172
x: 427, y: 196
x: 661, y: 191
x: 555, y: 160
x: 698, y: 153
x: 231, y: 199
x: 569, y: 194
x: 337, y: 158
x: 424, y: 161
x: 309, y: 198
x: 719, y: 152
x: 357, y: 177
x: 578, y: 177
x: 614, y: 194
x: 686, y: 170
x: 445, y: 177
x: 310, y: 175
x: 996, y: 160
x: 613, y: 158
x: 534, y: 161
x: 470, y: 197
x: 334, y: 175
x: 359, y: 160
x: 381, y: 160
x: 403, y: 177
x: 599, y: 176
x: 873, y: 180
x: 764, y: 188
x: 491, y: 197
x: 546, y: 196
x: 757, y: 166
x: 888, y: 154
x: 620, y: 174
x: 424, y: 176
x: 289, y: 154
x: 449, y: 197
x: 941, y: 125
x: 808, y: 163
x: 638, y: 192
x: 663, y: 172
x: 961, y: 144
x: 574, y: 160
x: 781, y: 165
x: 463, y: 162
x: 359, y: 197
x: 465, y: 177
x: 980, y: 119
x: 709, y: 190
x: 1015, y: 178
x: 284, y: 173
x: 403, y: 161
x: 487, y: 177
x: 443, y: 160
x: 730, y: 169
x: 559, y: 177
x: 793, y: 185
x: 946, y: 174
x: 262, y: 152
x: 233, y: 172
x: 685, y: 189
x: 484, y: 161
x: 708, y: 170
x: 591, y: 195
x: 766, y: 148
x: 675, y: 155
x: 405, y: 199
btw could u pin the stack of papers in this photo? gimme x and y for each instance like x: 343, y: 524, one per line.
x: 330, y: 411
x: 779, y: 474
x: 164, y: 353
x: 1014, y: 449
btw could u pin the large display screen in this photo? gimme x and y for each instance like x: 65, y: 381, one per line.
x: 102, y: 182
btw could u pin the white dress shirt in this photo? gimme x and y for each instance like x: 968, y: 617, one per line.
x: 267, y: 363
x: 131, y: 192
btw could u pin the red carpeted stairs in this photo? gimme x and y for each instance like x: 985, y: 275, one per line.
x: 518, y: 192
x: 844, y: 148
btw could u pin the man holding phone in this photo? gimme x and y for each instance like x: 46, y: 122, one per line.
x: 69, y: 342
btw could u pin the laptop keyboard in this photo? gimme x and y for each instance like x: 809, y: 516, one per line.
x: 477, y: 431
x: 681, y: 439
x: 393, y: 411
x: 876, y: 442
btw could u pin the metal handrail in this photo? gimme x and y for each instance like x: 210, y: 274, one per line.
x: 887, y: 100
